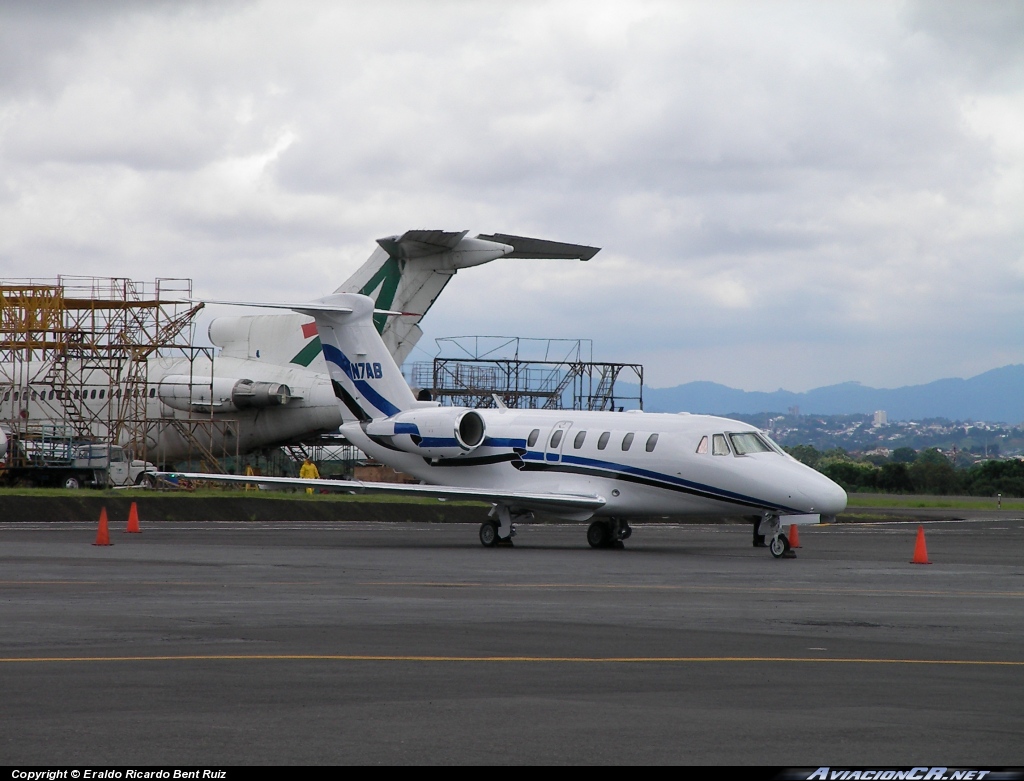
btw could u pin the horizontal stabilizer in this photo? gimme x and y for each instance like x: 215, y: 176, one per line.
x: 525, y: 247
x: 420, y: 243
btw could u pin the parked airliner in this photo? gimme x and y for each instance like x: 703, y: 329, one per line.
x: 602, y: 467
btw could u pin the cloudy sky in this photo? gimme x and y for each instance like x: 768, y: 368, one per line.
x: 787, y: 194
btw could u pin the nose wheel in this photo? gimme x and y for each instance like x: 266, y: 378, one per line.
x: 780, y: 546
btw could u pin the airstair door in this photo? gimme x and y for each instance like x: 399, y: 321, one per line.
x: 556, y: 441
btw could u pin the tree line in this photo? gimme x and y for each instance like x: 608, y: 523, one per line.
x: 909, y: 471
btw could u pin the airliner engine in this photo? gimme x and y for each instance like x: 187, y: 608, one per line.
x: 223, y: 394
x: 437, y: 432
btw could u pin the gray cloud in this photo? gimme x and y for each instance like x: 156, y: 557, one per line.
x: 791, y: 194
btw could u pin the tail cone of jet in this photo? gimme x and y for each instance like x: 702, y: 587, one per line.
x: 133, y: 520
x: 920, y: 550
x: 794, y: 536
x: 102, y: 533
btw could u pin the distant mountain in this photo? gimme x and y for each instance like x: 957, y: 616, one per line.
x: 996, y: 396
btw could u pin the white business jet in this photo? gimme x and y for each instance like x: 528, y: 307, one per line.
x: 603, y: 467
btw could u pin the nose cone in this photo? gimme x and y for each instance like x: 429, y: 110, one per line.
x: 826, y: 498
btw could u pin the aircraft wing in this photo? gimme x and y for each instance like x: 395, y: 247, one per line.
x: 552, y: 502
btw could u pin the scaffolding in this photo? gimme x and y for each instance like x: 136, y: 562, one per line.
x: 526, y: 374
x: 75, y: 352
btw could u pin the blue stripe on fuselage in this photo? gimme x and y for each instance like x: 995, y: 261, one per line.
x: 623, y: 469
x: 503, y: 442
x: 440, y: 442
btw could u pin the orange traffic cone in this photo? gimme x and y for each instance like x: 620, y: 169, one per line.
x: 794, y: 537
x: 133, y: 521
x: 102, y: 535
x: 920, y: 551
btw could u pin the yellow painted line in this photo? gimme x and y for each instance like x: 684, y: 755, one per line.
x: 520, y: 659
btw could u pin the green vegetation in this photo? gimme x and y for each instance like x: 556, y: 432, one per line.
x: 906, y: 471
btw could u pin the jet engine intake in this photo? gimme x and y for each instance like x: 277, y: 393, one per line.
x: 223, y: 394
x: 437, y: 432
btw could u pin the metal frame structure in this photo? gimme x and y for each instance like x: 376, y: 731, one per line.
x: 78, y: 347
x: 525, y: 373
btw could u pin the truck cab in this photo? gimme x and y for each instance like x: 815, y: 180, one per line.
x: 99, y: 457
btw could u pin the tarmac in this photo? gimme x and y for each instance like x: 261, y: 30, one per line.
x: 223, y: 643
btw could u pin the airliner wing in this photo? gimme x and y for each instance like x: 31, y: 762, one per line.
x: 516, y: 499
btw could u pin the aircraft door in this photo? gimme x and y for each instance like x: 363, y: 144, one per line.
x: 556, y: 440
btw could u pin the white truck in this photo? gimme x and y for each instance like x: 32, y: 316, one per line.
x: 65, y: 463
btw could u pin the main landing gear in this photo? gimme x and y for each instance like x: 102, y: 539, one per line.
x: 489, y: 535
x: 771, y: 526
x: 608, y: 534
x: 500, y: 530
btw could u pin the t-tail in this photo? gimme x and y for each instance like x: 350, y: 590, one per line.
x: 363, y: 374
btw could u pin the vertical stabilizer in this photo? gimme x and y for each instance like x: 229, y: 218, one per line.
x: 363, y: 374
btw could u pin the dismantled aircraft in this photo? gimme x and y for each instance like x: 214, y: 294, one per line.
x: 268, y: 385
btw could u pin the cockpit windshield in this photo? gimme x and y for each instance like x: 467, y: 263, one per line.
x: 749, y: 442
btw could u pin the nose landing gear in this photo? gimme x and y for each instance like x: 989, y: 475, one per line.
x: 771, y: 526
x: 780, y: 546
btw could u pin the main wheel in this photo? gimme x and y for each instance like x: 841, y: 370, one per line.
x: 488, y: 534
x: 779, y: 546
x: 72, y: 482
x: 597, y: 534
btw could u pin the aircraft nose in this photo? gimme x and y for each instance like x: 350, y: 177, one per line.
x: 828, y: 498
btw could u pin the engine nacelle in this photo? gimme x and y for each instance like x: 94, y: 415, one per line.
x: 436, y: 432
x: 224, y: 394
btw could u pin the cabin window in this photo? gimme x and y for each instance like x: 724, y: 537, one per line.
x: 76, y: 394
x: 35, y: 395
x: 532, y: 440
x: 152, y: 392
x: 7, y: 396
x: 51, y: 395
x: 748, y: 442
x: 15, y: 395
x: 117, y: 393
x: 702, y: 446
x: 93, y: 394
x: 719, y: 446
x: 602, y: 441
x: 578, y: 442
x: 627, y: 441
x: 103, y: 392
x: 652, y: 442
x: 556, y: 438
